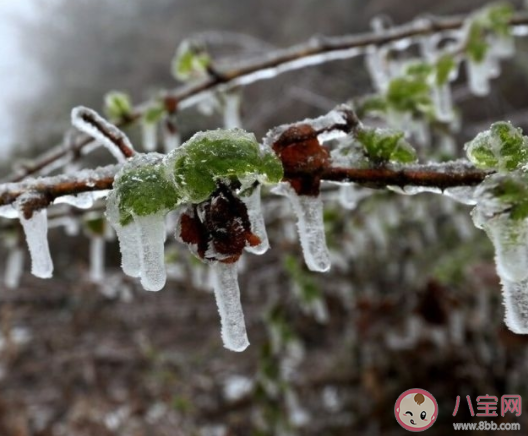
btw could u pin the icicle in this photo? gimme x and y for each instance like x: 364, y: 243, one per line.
x: 227, y: 296
x: 516, y: 304
x: 97, y: 257
x: 80, y: 117
x: 502, y: 47
x: 350, y: 195
x: 171, y: 134
x: 149, y: 135
x: 443, y: 102
x: 232, y: 102
x: 14, y: 267
x: 376, y: 67
x: 510, y: 239
x: 127, y: 237
x: 478, y: 76
x: 310, y: 226
x: 256, y: 218
x: 151, y: 237
x: 36, y: 231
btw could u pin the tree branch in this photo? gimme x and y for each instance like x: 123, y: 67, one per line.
x: 313, y: 52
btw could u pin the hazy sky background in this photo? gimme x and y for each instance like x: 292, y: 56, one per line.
x: 19, y: 76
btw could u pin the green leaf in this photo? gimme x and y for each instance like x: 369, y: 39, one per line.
x: 220, y: 155
x: 502, y: 148
x: 143, y: 188
x: 409, y: 94
x: 476, y: 44
x: 386, y: 145
x: 117, y: 105
x: 499, y: 16
x: 444, y: 65
x: 190, y: 62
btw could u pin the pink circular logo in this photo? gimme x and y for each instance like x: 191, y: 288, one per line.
x: 416, y: 410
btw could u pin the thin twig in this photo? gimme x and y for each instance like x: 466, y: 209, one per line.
x: 310, y: 53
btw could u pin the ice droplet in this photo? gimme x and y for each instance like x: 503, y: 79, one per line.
x: 151, y: 237
x: 36, y: 231
x: 310, y: 226
x: 256, y: 219
x: 227, y: 294
x: 443, y: 102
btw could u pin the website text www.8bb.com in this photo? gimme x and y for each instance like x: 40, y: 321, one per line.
x: 487, y: 425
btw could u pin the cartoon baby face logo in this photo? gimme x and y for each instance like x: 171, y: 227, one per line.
x: 416, y: 410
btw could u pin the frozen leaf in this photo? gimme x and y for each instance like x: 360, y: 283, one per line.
x: 503, y: 148
x: 191, y: 61
x: 144, y: 188
x: 220, y: 156
x: 386, y: 145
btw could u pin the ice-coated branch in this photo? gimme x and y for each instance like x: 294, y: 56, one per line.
x: 46, y: 189
x: 441, y: 176
x: 315, y: 51
x: 90, y: 122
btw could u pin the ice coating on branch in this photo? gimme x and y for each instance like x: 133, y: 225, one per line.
x: 14, y: 268
x: 232, y: 103
x: 97, y: 258
x: 310, y: 226
x: 91, y: 123
x: 36, y: 231
x: 83, y: 200
x: 8, y: 211
x: 149, y: 135
x: 256, y: 218
x: 515, y: 296
x: 227, y: 294
x: 220, y: 156
x: 503, y: 148
x: 151, y: 238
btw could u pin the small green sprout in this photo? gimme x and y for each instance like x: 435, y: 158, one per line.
x: 190, y: 62
x: 117, y: 105
x: 386, y: 145
x: 502, y: 148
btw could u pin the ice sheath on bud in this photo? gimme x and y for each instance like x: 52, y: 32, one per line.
x: 227, y: 294
x: 310, y: 225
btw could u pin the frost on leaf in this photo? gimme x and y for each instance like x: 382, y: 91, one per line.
x: 386, y: 145
x: 191, y: 61
x: 220, y: 156
x: 502, y: 148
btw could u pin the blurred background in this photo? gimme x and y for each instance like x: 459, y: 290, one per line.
x: 412, y: 300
